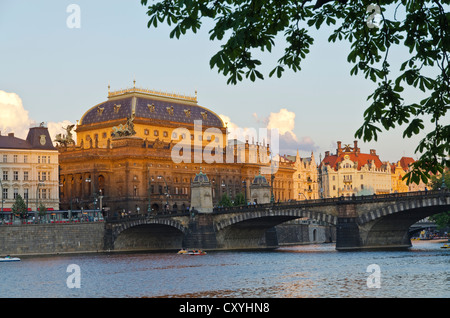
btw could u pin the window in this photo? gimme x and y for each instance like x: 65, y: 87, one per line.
x: 15, y: 158
x: 333, y: 178
x: 16, y: 193
x: 25, y: 176
x: 42, y: 193
x: 16, y: 176
x: 104, y: 135
x: 5, y: 194
x: 42, y: 176
x: 5, y: 158
x: 39, y: 159
x: 25, y: 158
x: 361, y: 177
x: 146, y: 132
x: 5, y: 175
x: 155, y: 133
x: 25, y: 194
x: 44, y: 159
x: 334, y: 187
x: 165, y: 134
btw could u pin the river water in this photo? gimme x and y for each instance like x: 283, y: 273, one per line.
x: 296, y: 271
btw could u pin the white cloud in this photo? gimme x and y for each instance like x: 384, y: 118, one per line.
x: 13, y: 116
x: 284, y: 122
x: 15, y: 119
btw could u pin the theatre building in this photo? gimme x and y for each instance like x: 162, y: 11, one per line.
x: 142, y: 148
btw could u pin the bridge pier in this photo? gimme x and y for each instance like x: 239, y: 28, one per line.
x: 347, y: 234
x: 200, y: 233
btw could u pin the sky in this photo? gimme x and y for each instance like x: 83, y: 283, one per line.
x: 52, y: 73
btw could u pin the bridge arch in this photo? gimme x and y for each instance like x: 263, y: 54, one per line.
x: 255, y: 229
x: 277, y: 216
x: 147, y: 234
x: 423, y: 207
x: 389, y: 225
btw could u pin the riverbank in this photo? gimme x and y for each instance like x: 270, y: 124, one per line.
x: 51, y: 238
x: 88, y: 237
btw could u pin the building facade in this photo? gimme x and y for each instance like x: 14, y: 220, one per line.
x: 140, y: 150
x: 350, y: 172
x: 29, y: 168
x: 305, y: 180
x: 399, y: 170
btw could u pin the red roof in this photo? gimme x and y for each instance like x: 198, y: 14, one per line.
x: 361, y: 158
x: 405, y: 162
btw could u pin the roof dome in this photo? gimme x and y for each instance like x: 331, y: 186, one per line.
x: 259, y: 179
x: 150, y: 105
x: 201, y: 178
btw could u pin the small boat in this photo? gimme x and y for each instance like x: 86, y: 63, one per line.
x: 192, y: 252
x: 445, y: 246
x: 196, y: 252
x: 9, y: 259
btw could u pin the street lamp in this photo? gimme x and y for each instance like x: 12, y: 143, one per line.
x: 303, y: 195
x: 244, y: 183
x: 37, y: 194
x: 1, y: 185
x: 93, y: 192
x: 167, y: 191
x: 149, y: 208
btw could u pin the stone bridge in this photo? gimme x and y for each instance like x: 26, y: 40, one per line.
x: 361, y: 222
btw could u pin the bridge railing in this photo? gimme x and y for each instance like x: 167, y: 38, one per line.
x: 135, y: 216
x: 291, y: 204
x: 332, y: 201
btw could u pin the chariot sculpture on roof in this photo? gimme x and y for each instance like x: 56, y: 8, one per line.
x: 65, y: 140
x: 126, y: 129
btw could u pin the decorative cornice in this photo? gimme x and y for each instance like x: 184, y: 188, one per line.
x: 150, y: 92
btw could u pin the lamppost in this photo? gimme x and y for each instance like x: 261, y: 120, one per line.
x: 167, y: 191
x: 244, y: 184
x: 93, y: 192
x: 1, y: 185
x: 303, y: 195
x: 37, y: 195
x: 149, y: 208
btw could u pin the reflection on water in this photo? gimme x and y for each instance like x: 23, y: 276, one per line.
x: 295, y: 271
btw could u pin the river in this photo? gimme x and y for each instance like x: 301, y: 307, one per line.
x: 307, y: 271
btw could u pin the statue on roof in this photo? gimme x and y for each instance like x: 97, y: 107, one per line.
x: 125, y: 130
x: 65, y: 140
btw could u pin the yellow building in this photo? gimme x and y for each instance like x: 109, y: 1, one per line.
x: 29, y: 168
x: 399, y: 170
x: 305, y: 179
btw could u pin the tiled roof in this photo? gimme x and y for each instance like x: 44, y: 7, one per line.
x: 34, y: 140
x: 405, y: 162
x: 10, y: 142
x: 148, y: 107
x: 361, y: 158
